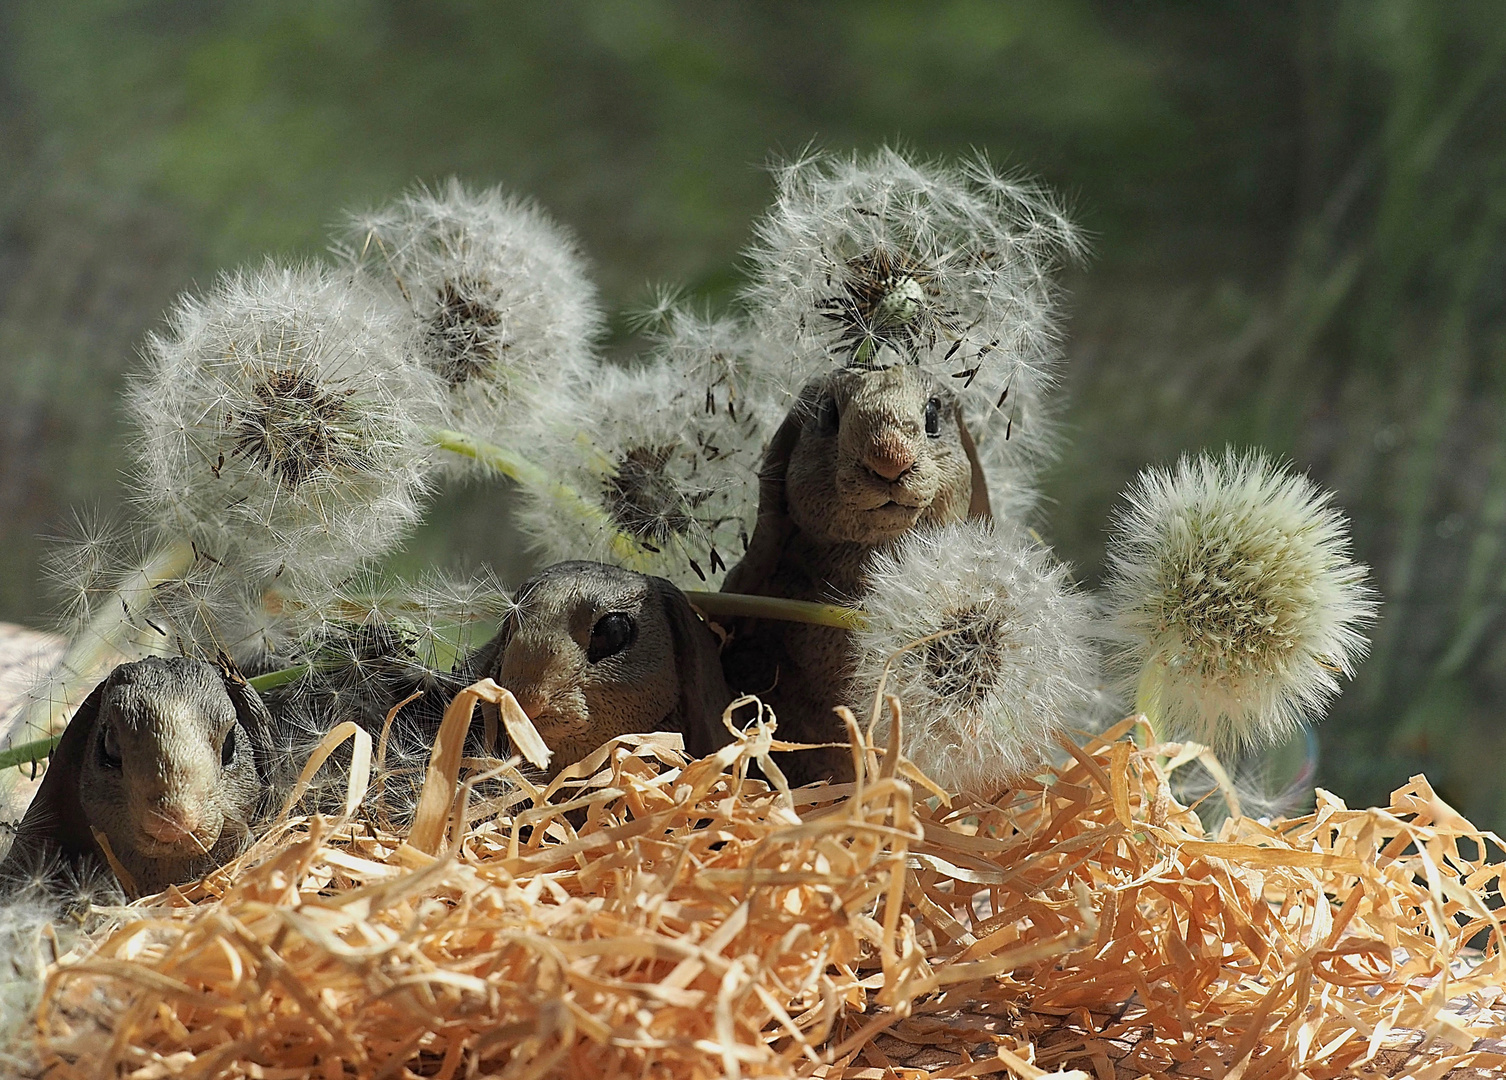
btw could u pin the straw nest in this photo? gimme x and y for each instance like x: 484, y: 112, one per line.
x: 646, y: 915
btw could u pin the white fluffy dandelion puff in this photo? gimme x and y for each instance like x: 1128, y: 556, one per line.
x: 498, y: 294
x: 1233, y: 598
x: 883, y: 260
x: 987, y: 646
x: 283, y: 425
x: 664, y: 459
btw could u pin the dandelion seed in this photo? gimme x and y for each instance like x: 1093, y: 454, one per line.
x: 889, y: 299
x: 882, y: 260
x: 665, y: 456
x: 299, y: 429
x: 497, y: 292
x: 987, y: 647
x: 282, y: 427
x: 45, y: 909
x: 1234, y: 598
x: 83, y: 564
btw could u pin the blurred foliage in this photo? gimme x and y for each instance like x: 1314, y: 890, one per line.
x: 1298, y: 213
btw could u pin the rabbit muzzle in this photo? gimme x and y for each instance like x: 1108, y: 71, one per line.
x: 909, y: 491
x: 174, y: 831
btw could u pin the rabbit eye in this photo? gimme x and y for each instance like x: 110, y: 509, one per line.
x: 109, y: 748
x: 227, y: 748
x: 611, y: 634
x: 933, y: 418
x: 827, y: 420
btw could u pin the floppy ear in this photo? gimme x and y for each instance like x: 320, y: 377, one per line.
x: 484, y: 662
x: 251, y: 713
x: 703, y: 690
x: 55, y: 819
x: 486, y: 659
x: 773, y: 529
x: 979, y: 506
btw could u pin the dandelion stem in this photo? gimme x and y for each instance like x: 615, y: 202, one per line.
x: 773, y: 607
x: 92, y: 649
x: 516, y: 467
x: 29, y: 753
x: 1148, y: 699
x: 271, y: 680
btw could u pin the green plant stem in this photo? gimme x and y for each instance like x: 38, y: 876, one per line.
x: 773, y: 607
x: 516, y: 467
x: 29, y: 752
x: 271, y: 680
x: 91, y: 650
x: 1148, y: 699
x: 37, y: 750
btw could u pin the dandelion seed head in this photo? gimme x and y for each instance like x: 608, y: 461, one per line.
x: 878, y: 260
x: 1232, y: 588
x: 283, y: 426
x: 497, y: 291
x: 299, y: 429
x: 987, y: 646
x: 666, y: 457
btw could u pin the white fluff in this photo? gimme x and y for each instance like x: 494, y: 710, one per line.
x: 1008, y: 661
x: 497, y: 292
x: 665, y: 457
x: 881, y: 260
x: 283, y: 427
x: 43, y: 915
x: 1233, y: 597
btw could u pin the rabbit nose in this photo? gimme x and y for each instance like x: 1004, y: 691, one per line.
x: 171, y: 826
x: 890, y: 462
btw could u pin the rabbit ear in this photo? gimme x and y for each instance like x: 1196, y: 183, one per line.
x: 703, y: 690
x: 979, y: 507
x: 484, y: 663
x: 773, y: 529
x: 251, y: 713
x: 486, y: 659
x: 55, y: 819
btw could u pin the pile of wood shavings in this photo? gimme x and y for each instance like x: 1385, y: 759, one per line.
x: 649, y: 916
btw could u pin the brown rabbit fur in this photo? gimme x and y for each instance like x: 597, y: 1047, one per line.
x: 166, y: 759
x: 863, y: 457
x: 593, y: 652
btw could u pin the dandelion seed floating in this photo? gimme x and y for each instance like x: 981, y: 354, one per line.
x: 881, y: 260
x: 988, y: 650
x: 1234, y: 598
x: 496, y: 291
x: 283, y: 432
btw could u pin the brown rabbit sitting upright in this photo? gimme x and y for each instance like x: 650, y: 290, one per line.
x: 167, y: 760
x: 593, y: 652
x: 864, y: 456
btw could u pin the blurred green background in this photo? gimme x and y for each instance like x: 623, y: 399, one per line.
x: 1297, y: 211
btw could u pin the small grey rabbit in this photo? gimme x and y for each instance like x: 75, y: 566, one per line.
x: 165, y: 758
x: 864, y: 456
x: 592, y: 652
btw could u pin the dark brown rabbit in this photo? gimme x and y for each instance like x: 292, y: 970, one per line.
x: 166, y: 759
x: 863, y: 457
x: 593, y: 652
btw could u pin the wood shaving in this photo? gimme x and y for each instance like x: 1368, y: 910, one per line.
x: 647, y: 915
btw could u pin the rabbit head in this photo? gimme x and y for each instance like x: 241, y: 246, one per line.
x: 592, y: 652
x: 165, y: 758
x: 868, y: 454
